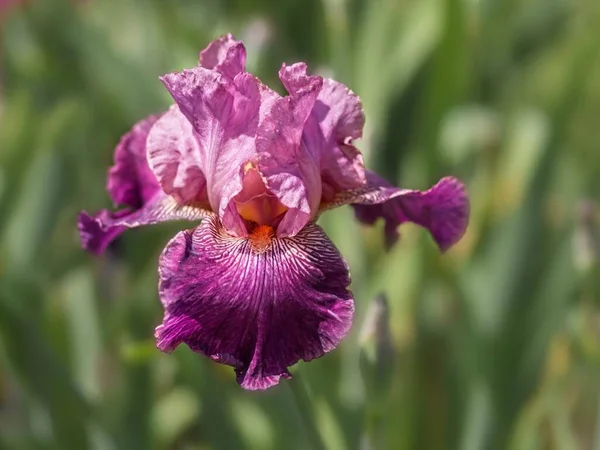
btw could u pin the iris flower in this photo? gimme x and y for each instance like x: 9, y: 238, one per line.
x: 257, y: 285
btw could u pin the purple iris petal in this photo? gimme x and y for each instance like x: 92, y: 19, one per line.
x: 130, y: 180
x: 257, y: 285
x: 95, y: 237
x: 259, y: 303
x: 443, y: 209
x: 130, y: 183
x: 98, y: 231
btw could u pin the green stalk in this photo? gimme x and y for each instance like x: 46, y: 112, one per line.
x: 306, y: 411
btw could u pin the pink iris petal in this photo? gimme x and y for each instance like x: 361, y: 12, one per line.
x: 172, y: 149
x: 443, y: 209
x: 224, y: 115
x: 238, y: 123
x: 225, y: 55
x: 291, y: 170
x: 260, y: 303
x: 257, y: 285
x: 336, y: 119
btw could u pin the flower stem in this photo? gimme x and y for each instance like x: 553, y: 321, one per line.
x: 306, y: 411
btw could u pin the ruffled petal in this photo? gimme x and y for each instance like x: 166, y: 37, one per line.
x: 130, y: 180
x: 172, y: 153
x: 224, y: 115
x: 130, y: 183
x: 94, y: 235
x: 336, y: 119
x: 98, y: 231
x: 259, y: 304
x: 290, y: 169
x: 225, y: 55
x: 238, y: 124
x: 443, y: 209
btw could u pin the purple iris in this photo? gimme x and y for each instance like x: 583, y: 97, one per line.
x: 257, y: 285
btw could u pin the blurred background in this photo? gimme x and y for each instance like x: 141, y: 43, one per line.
x: 494, y: 345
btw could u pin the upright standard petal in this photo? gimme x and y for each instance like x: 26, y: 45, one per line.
x: 259, y: 304
x: 291, y: 169
x: 224, y: 115
x: 172, y: 151
x: 336, y: 120
x: 443, y: 209
x: 225, y: 55
x: 241, y: 124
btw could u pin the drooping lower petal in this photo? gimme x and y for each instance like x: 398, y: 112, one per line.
x: 98, y: 231
x: 130, y: 183
x: 443, y: 209
x: 259, y: 304
x: 94, y: 231
x: 130, y: 180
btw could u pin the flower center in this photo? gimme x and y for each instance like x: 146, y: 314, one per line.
x: 260, y: 238
x: 262, y: 209
x: 255, y: 203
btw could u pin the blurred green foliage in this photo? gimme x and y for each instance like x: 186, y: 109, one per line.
x: 495, y: 345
